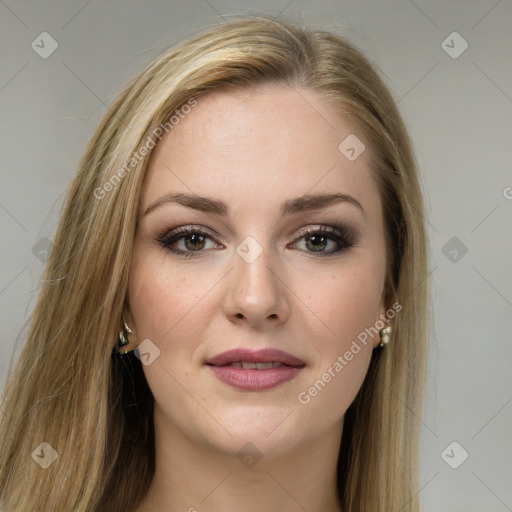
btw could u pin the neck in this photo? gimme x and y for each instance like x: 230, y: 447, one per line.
x: 197, y: 477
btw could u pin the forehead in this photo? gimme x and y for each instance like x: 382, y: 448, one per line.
x: 262, y: 145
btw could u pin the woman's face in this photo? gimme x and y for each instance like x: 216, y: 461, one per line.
x: 247, y: 167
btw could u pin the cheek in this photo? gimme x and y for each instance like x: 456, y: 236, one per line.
x: 347, y: 304
x: 162, y: 299
x: 167, y: 308
x: 343, y: 304
x: 330, y: 393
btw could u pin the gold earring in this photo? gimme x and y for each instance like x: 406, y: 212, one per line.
x: 385, y: 337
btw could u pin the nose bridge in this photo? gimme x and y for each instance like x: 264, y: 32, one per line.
x: 256, y: 290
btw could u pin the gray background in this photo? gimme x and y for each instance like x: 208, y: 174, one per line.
x: 459, y: 114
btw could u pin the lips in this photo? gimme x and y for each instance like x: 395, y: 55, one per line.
x: 250, y: 356
x: 255, y: 370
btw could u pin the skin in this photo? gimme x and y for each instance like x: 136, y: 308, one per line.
x: 254, y: 149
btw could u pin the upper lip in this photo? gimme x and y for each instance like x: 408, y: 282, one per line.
x: 254, y: 356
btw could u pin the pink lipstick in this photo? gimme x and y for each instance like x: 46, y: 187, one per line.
x: 255, y: 370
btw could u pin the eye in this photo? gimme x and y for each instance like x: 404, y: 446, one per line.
x: 194, y: 240
x: 317, y: 239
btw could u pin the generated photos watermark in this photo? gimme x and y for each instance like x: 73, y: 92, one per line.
x: 304, y: 397
x: 137, y: 156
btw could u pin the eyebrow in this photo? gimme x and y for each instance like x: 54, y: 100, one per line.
x: 306, y: 202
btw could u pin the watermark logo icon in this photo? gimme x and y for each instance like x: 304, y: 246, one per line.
x: 147, y: 352
x: 454, y: 45
x: 44, y: 45
x: 351, y: 147
x: 454, y: 249
x: 44, y: 455
x: 42, y: 249
x: 249, y: 455
x: 454, y: 455
x: 249, y: 250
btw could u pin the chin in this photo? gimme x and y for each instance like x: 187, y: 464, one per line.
x: 266, y: 427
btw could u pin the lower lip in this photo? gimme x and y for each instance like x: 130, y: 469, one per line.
x: 255, y: 380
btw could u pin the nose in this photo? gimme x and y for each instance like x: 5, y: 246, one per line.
x: 256, y: 290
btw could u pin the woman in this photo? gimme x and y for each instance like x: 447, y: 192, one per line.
x: 234, y: 315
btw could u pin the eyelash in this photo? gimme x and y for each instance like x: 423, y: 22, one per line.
x: 342, y: 235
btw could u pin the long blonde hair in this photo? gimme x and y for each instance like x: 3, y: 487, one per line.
x: 65, y: 388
